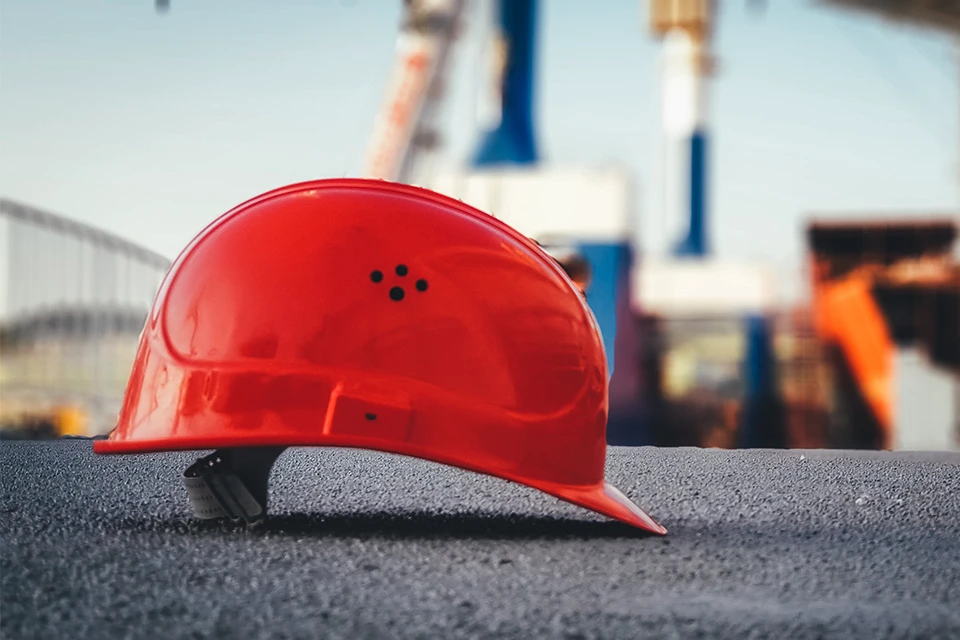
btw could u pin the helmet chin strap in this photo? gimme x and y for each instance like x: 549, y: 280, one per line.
x: 231, y: 483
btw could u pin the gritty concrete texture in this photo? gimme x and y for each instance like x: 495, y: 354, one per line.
x: 762, y: 544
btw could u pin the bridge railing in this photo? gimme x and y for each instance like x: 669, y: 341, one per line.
x: 73, y: 300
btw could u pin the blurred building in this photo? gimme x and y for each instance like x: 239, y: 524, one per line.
x: 73, y: 300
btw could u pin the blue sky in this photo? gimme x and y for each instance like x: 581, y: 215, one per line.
x: 150, y: 126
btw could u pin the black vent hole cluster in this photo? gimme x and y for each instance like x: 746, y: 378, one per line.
x: 397, y: 292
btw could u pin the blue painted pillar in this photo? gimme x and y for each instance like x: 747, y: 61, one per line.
x: 695, y: 241
x: 762, y: 419
x: 513, y: 139
x: 610, y: 265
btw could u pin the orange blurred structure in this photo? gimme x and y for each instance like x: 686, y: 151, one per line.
x: 847, y: 315
x: 877, y: 286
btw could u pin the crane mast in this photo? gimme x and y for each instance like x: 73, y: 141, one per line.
x: 686, y: 27
x: 405, y: 127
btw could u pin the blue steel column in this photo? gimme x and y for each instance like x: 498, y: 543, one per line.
x: 611, y: 270
x: 762, y: 418
x: 695, y: 243
x: 513, y: 139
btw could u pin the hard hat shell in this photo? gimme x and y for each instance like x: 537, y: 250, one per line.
x: 364, y: 313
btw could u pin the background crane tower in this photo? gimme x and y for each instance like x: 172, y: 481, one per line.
x: 686, y: 27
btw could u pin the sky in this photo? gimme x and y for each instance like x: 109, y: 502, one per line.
x: 150, y: 126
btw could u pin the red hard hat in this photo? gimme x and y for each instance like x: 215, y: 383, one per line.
x: 363, y: 313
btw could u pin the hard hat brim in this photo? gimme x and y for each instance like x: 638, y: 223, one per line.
x: 602, y: 498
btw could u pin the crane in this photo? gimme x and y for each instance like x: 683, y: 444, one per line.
x: 405, y: 129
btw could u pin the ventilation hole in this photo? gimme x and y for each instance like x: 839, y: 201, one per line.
x: 376, y: 276
x: 402, y: 270
x: 421, y: 285
x: 396, y: 293
x: 371, y: 416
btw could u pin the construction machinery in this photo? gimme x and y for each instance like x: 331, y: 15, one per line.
x: 886, y: 296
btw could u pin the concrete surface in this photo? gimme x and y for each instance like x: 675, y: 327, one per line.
x: 762, y: 544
